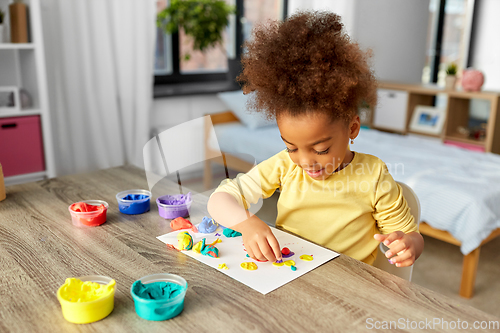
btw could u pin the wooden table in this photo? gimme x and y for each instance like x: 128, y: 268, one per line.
x: 40, y: 248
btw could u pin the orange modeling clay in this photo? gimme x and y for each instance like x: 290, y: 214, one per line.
x: 180, y: 223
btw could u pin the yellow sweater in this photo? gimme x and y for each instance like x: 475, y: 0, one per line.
x: 342, y: 212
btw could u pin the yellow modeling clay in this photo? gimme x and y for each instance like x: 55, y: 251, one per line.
x: 306, y: 257
x: 290, y: 263
x: 198, y: 246
x: 75, y: 290
x: 250, y: 266
x: 278, y: 264
x: 185, y: 241
x: 216, y: 241
x: 223, y: 266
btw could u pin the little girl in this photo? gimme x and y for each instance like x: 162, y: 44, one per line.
x: 308, y: 75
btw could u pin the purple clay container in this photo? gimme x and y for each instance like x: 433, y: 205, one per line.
x: 173, y: 206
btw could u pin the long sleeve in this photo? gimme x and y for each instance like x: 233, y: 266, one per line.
x: 258, y: 183
x: 391, y: 209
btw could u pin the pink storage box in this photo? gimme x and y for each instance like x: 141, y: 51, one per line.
x: 468, y: 146
x: 21, y: 149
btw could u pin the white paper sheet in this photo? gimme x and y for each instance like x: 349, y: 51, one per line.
x: 267, y: 277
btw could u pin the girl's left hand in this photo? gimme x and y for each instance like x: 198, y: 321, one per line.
x: 401, y: 248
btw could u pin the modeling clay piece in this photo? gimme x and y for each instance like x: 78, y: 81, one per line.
x: 133, y: 204
x: 207, y: 250
x: 176, y: 199
x: 173, y: 206
x: 180, y: 223
x: 231, y: 233
x: 279, y: 261
x: 83, y: 207
x: 156, y: 290
x: 207, y: 225
x: 198, y: 246
x: 223, y: 266
x: 216, y: 241
x: 249, y: 266
x: 210, y: 251
x: 293, y: 268
x: 290, y: 263
x: 185, y: 241
x: 75, y: 290
x: 306, y: 257
x: 286, y: 252
x: 172, y: 247
x: 278, y: 264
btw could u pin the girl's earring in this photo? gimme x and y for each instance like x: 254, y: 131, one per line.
x: 352, y: 141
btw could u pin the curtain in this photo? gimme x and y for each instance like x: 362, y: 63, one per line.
x: 99, y: 56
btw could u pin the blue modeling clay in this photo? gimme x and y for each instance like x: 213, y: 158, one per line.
x: 141, y: 205
x: 207, y: 225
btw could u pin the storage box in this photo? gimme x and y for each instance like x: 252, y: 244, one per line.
x: 390, y: 112
x: 21, y: 148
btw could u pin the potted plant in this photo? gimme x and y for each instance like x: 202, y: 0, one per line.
x: 2, y: 17
x: 202, y: 20
x: 451, y: 76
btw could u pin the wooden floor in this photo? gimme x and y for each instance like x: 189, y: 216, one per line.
x: 470, y: 261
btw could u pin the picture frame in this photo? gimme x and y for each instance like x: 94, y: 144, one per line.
x: 428, y: 119
x: 9, y: 99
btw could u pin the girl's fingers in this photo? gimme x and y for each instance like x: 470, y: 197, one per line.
x: 258, y: 253
x: 275, y: 246
x: 396, y: 247
x: 249, y: 251
x: 266, y: 250
x: 392, y: 237
x: 406, y: 263
x: 406, y: 255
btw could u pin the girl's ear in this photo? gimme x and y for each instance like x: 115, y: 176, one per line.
x: 354, y: 127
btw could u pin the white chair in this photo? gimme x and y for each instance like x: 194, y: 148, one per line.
x: 381, y: 261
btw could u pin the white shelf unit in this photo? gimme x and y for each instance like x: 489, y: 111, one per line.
x: 23, y: 66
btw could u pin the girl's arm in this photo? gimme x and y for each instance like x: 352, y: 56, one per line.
x: 258, y: 238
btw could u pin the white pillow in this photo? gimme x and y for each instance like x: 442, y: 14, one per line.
x: 237, y: 102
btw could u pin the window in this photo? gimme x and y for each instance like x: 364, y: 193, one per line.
x: 213, y: 65
x: 448, y: 39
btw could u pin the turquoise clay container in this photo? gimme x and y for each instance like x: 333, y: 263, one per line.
x: 160, y: 309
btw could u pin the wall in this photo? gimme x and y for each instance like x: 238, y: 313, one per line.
x: 171, y: 111
x: 486, y: 48
x: 395, y: 30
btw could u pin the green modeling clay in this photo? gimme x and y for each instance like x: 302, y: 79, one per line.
x: 156, y: 290
x: 231, y: 233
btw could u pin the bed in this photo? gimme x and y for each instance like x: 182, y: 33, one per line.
x: 459, y: 190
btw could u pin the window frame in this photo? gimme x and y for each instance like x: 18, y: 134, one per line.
x: 165, y: 84
x: 438, y: 38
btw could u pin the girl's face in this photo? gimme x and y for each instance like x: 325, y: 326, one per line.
x: 316, y: 144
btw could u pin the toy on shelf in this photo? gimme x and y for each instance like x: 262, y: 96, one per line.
x: 472, y: 80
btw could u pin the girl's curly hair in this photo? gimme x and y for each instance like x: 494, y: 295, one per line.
x: 306, y: 64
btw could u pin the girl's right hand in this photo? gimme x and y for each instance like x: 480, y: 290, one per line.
x: 259, y: 240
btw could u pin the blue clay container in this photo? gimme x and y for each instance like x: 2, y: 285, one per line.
x: 133, y: 202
